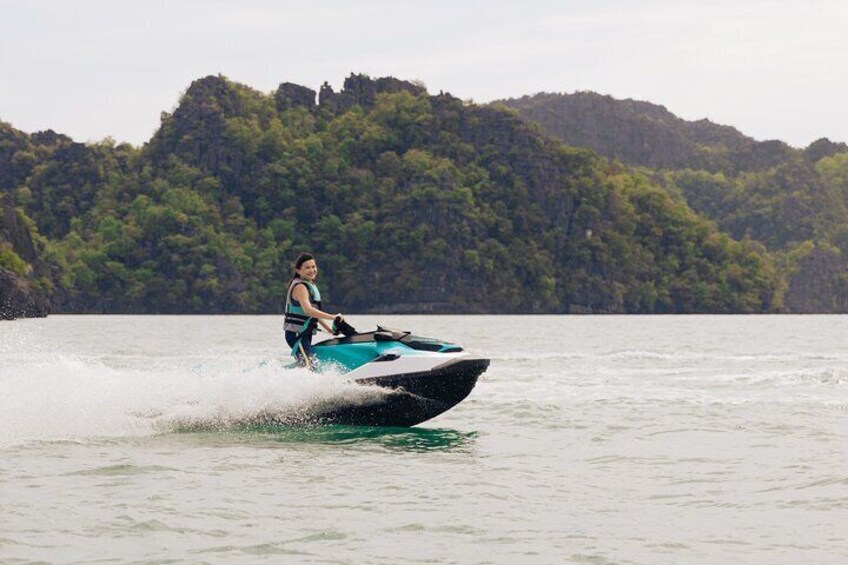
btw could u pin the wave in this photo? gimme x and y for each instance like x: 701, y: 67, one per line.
x: 654, y: 355
x: 815, y: 378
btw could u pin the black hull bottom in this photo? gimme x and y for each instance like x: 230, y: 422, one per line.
x: 416, y: 397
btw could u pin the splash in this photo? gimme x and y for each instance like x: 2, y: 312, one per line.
x: 68, y: 397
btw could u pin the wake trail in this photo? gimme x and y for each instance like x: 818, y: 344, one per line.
x: 65, y: 397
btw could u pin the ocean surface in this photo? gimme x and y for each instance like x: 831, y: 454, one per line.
x: 648, y: 440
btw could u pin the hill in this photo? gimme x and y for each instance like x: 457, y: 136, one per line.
x: 793, y: 201
x: 413, y: 203
x: 645, y: 134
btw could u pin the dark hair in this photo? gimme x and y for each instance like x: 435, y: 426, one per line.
x: 301, y: 259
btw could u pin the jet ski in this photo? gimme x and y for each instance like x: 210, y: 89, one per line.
x: 422, y: 377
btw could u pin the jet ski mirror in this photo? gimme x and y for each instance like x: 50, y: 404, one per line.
x: 342, y: 327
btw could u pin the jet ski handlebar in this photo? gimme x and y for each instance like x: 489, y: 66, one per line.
x: 342, y: 327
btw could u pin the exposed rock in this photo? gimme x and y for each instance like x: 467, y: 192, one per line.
x: 13, y: 229
x: 24, y: 286
x: 362, y: 90
x: 19, y: 299
x: 290, y: 95
x: 822, y: 148
x: 327, y: 98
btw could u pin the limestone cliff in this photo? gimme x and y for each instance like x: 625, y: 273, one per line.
x: 24, y: 285
x: 818, y: 281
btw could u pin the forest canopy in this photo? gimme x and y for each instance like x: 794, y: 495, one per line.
x: 412, y: 203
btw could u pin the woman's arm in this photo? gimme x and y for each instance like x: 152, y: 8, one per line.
x: 302, y: 296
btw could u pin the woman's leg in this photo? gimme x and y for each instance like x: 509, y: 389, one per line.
x: 299, y: 348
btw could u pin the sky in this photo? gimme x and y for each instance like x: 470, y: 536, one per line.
x: 94, y: 68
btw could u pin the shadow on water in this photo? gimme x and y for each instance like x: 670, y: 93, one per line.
x: 399, y: 439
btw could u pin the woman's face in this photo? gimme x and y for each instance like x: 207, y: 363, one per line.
x: 308, y: 270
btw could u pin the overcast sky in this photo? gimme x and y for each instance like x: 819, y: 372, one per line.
x: 91, y: 69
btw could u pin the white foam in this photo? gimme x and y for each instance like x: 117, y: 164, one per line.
x: 61, y: 396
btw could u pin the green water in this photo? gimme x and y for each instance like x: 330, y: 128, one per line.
x: 594, y: 440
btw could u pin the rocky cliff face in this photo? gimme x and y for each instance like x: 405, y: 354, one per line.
x: 24, y: 285
x: 290, y: 95
x: 818, y: 283
x: 361, y: 90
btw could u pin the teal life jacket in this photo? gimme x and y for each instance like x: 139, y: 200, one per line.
x: 296, y: 319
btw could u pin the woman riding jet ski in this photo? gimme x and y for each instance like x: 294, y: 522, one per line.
x: 422, y: 377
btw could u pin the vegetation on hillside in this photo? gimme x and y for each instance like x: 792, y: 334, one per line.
x: 644, y: 134
x: 798, y: 210
x: 794, y: 202
x: 412, y: 203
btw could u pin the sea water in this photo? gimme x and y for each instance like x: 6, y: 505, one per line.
x: 686, y: 439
